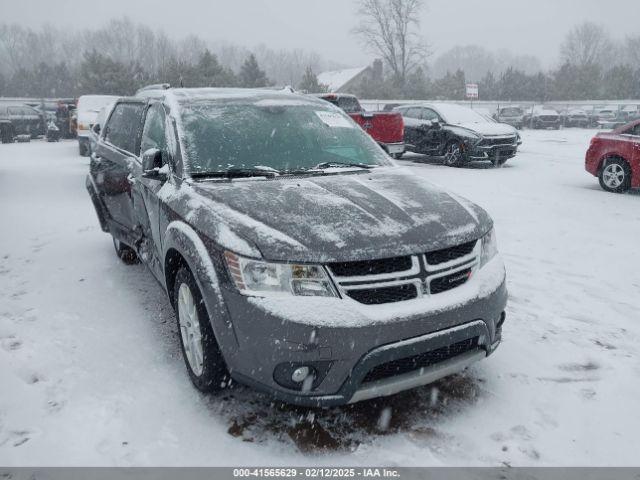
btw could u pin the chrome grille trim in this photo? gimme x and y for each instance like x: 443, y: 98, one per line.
x: 421, y: 274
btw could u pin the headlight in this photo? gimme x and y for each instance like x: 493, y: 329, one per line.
x: 470, y: 137
x: 489, y: 248
x: 259, y: 278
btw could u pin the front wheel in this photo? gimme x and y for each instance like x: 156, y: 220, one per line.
x: 615, y: 175
x: 200, y: 350
x: 397, y: 156
x: 498, y: 162
x: 453, y: 155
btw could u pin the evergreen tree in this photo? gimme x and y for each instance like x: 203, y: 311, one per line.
x: 416, y: 85
x: 209, y: 72
x: 250, y: 74
x: 310, y: 84
x: 619, y: 82
x: 100, y: 74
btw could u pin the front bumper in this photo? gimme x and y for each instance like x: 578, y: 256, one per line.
x: 346, y: 342
x: 492, y: 152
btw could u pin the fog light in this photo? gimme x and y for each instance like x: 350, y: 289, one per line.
x: 299, y: 374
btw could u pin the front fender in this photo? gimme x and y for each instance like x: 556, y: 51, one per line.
x: 182, y: 238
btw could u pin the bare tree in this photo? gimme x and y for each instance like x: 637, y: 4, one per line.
x: 388, y: 28
x: 632, y: 50
x: 586, y: 44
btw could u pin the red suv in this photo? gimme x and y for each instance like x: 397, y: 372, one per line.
x: 614, y: 157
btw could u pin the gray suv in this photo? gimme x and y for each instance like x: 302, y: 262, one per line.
x: 299, y: 259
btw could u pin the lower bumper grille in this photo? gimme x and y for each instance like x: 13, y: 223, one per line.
x: 422, y: 360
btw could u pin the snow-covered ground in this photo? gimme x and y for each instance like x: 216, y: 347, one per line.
x: 91, y: 374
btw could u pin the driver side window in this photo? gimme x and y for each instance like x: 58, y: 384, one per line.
x: 154, y: 134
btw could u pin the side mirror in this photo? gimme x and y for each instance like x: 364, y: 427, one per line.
x: 96, y: 129
x: 152, y: 163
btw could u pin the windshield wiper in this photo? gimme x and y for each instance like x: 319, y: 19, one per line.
x: 237, y: 172
x: 365, y: 166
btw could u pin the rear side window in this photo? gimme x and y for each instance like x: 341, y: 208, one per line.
x: 428, y: 114
x: 124, y: 126
x: 349, y: 104
x: 412, y: 113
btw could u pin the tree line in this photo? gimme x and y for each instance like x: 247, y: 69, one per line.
x: 122, y: 57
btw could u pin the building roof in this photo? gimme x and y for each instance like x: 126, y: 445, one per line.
x: 337, y: 79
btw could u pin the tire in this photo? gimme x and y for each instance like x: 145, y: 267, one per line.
x: 453, y: 156
x: 200, y: 350
x: 82, y: 149
x: 615, y: 175
x: 498, y: 162
x: 125, y: 252
x: 397, y: 156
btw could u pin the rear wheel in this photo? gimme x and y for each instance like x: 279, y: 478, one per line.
x: 200, y: 350
x: 125, y: 252
x: 615, y: 175
x: 453, y: 155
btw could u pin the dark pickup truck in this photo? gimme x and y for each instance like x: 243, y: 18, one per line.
x: 386, y: 128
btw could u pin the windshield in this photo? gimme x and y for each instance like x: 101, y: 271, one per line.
x: 283, y: 135
x: 456, y: 115
x: 511, y: 112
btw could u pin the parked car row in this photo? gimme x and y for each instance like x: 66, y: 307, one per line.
x: 27, y: 120
x: 300, y: 260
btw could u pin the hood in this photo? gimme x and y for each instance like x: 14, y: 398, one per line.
x: 489, y: 128
x: 349, y: 216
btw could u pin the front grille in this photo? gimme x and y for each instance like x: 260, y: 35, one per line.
x: 448, y: 254
x: 371, y: 267
x: 548, y: 118
x: 498, y: 140
x: 448, y: 282
x: 422, y: 360
x: 411, y: 276
x: 377, y: 296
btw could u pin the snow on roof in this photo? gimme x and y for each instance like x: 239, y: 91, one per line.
x: 338, y: 78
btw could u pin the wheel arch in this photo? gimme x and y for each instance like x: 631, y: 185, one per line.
x: 183, y: 246
x: 611, y: 156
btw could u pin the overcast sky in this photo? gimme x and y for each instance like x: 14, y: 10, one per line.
x: 526, y: 27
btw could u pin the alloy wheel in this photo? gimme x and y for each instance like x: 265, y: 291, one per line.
x: 613, y: 175
x: 190, y: 329
x: 452, y: 154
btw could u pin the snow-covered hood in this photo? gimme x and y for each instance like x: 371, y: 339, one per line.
x: 488, y: 128
x: 352, y: 216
